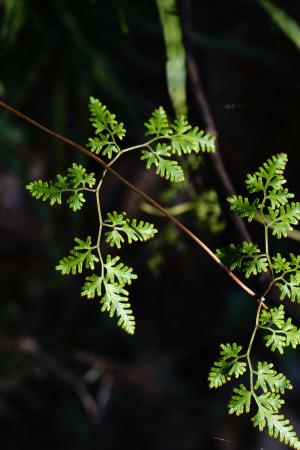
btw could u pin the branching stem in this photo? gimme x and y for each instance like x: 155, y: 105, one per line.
x: 134, y: 188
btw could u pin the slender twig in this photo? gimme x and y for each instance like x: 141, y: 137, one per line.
x: 134, y: 188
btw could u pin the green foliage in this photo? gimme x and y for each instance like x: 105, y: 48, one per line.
x: 176, y: 66
x: 280, y: 331
x: 268, y: 378
x: 107, y: 129
x: 175, y: 138
x: 109, y: 286
x: 131, y: 229
x: 227, y: 366
x: 278, y: 427
x: 240, y: 402
x: 76, y: 180
x: 166, y: 168
x: 111, y: 275
x: 286, y: 23
x: 247, y: 257
x: 271, y: 203
x: 81, y: 256
x: 243, y: 207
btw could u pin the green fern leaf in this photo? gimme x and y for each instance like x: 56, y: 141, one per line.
x: 170, y: 170
x: 270, y: 175
x: 275, y: 341
x: 138, y: 231
x: 166, y: 168
x: 227, y: 366
x: 243, y: 207
x: 268, y: 378
x: 237, y: 369
x: 103, y: 145
x: 47, y: 191
x: 80, y: 257
x: 240, y: 402
x: 114, y: 238
x: 284, y: 334
x: 158, y: 124
x: 230, y: 350
x: 115, y: 301
x: 290, y: 287
x: 150, y: 158
x: 118, y: 272
x: 270, y: 401
x: 92, y: 286
x: 218, y: 374
x: 273, y: 316
x: 103, y: 120
x: 245, y: 257
x: 76, y: 201
x: 79, y: 177
x: 284, y: 218
x: 123, y: 227
x: 278, y: 427
x: 280, y: 264
x: 116, y: 219
x: 186, y: 139
x: 279, y: 198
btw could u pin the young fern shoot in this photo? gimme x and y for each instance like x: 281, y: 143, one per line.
x: 110, y: 276
x: 264, y: 386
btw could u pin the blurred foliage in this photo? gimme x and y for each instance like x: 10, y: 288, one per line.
x: 176, y: 67
x: 286, y: 23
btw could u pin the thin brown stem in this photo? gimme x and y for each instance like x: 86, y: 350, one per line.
x: 134, y: 188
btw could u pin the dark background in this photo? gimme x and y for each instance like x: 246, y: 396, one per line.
x: 151, y: 389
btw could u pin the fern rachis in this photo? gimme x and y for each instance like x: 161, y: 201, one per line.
x: 265, y: 386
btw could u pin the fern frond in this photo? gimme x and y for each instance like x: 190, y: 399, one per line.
x: 279, y: 198
x: 218, y: 374
x: 278, y: 427
x: 240, y: 402
x: 284, y: 334
x: 273, y: 316
x: 103, y: 120
x: 270, y: 175
x: 80, y: 257
x: 227, y: 366
x: 284, y: 218
x: 186, y: 139
x: 166, y: 168
x: 76, y: 180
x: 243, y: 207
x: 130, y: 228
x: 48, y: 191
x: 280, y: 264
x: 268, y: 378
x: 290, y: 287
x: 79, y: 177
x: 103, y: 145
x: 271, y: 401
x: 246, y: 257
x: 76, y: 201
x: 118, y: 272
x: 158, y: 124
x: 170, y: 170
x: 92, y: 286
x: 230, y: 350
x: 115, y: 301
